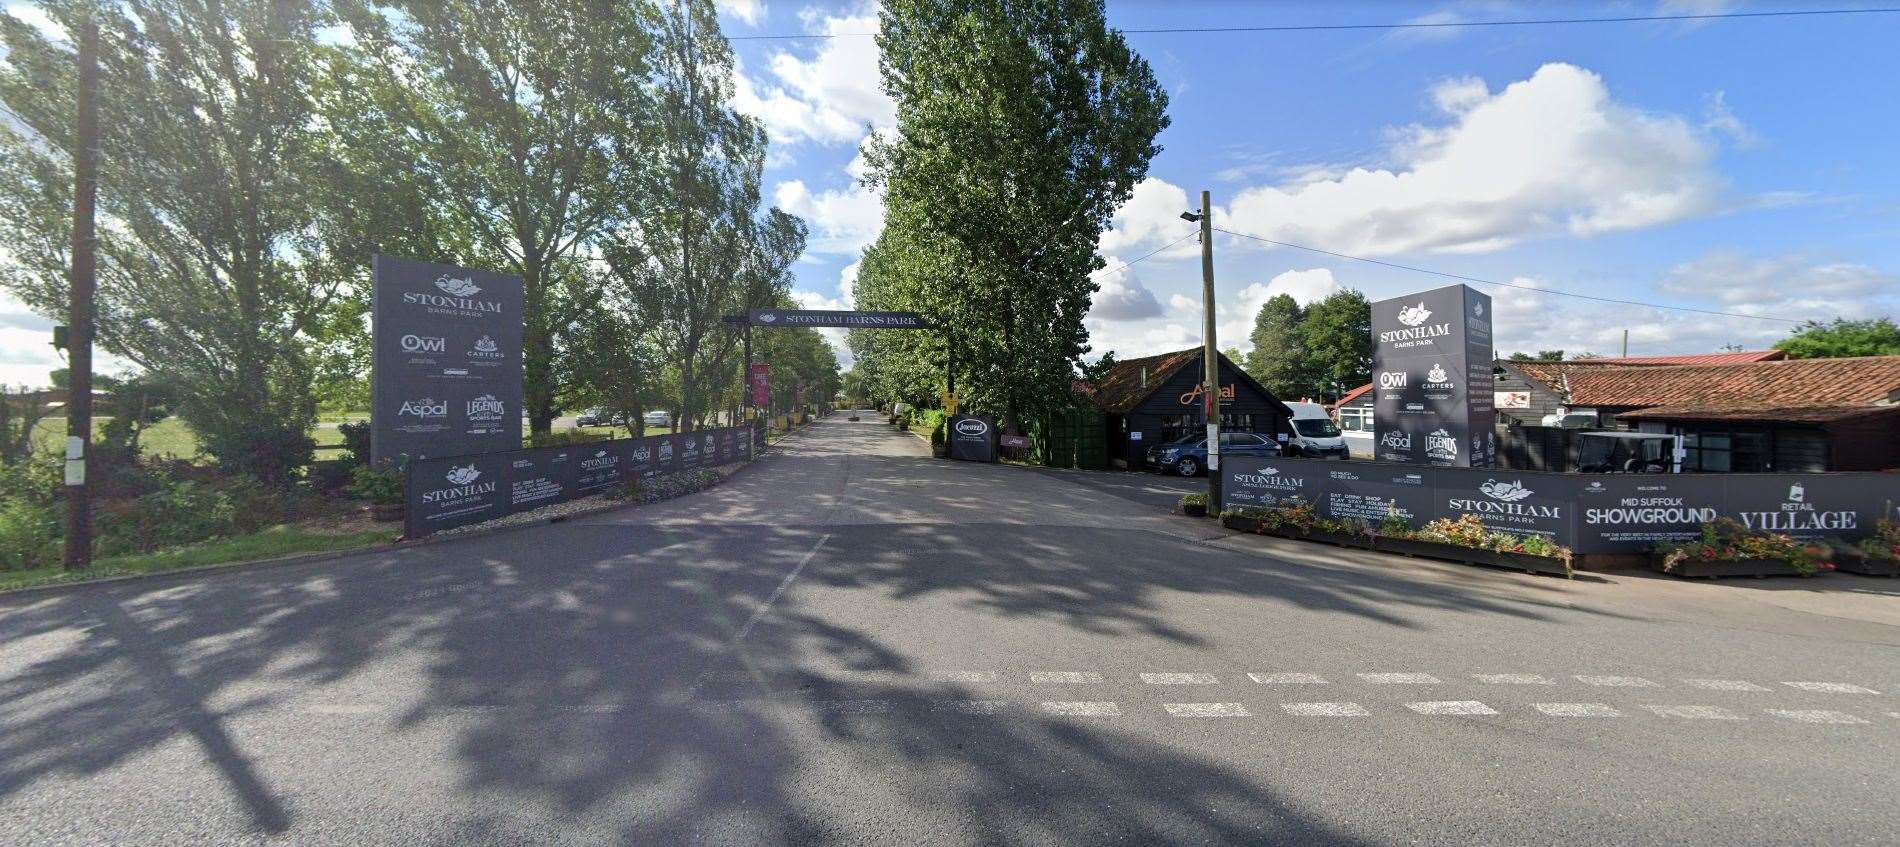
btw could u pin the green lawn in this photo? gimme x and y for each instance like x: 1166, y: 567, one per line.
x: 281, y: 540
x: 172, y: 437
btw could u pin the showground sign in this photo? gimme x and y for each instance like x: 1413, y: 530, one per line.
x: 447, y: 368
x: 451, y: 491
x: 1609, y: 513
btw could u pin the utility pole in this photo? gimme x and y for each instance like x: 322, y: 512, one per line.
x: 1210, y: 355
x: 1626, y: 344
x: 78, y: 553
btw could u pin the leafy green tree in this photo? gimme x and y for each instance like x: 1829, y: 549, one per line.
x: 1842, y: 338
x: 217, y: 235
x: 1020, y: 128
x: 1539, y: 356
x: 1336, y: 336
x: 1278, y: 358
x: 530, y: 121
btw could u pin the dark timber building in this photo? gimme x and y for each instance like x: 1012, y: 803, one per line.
x: 1157, y: 399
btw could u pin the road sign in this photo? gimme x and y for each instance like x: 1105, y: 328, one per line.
x: 849, y: 320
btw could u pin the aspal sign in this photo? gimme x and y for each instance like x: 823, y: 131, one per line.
x: 1431, y: 373
x: 850, y: 320
x: 447, y: 370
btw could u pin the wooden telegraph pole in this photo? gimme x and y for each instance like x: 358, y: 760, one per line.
x: 78, y: 554
x: 1210, y: 356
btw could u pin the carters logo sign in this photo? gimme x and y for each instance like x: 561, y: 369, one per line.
x: 485, y: 348
x: 972, y: 427
x: 423, y: 344
x: 464, y: 482
x: 424, y: 408
x: 1437, y: 378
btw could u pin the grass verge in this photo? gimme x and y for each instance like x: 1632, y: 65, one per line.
x: 280, y: 540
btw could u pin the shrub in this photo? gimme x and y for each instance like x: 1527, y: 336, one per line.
x: 1885, y: 544
x: 381, y: 483
x: 564, y: 438
x: 265, y: 449
x: 176, y: 511
x: 1193, y: 500
x: 668, y: 486
x: 29, y: 534
x: 355, y: 440
x: 1470, y: 531
x: 1726, y: 539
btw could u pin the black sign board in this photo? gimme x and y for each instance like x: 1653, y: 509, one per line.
x: 447, y: 370
x: 451, y: 491
x: 1589, y: 513
x: 971, y: 438
x: 1432, y: 382
x: 852, y: 320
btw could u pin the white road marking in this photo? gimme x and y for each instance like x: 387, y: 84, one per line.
x: 1325, y: 710
x: 1451, y: 707
x: 1064, y: 677
x: 964, y: 676
x: 1617, y: 681
x: 340, y: 709
x: 1207, y: 710
x: 776, y: 592
x: 1577, y: 710
x: 1815, y: 716
x: 1725, y: 684
x: 1515, y: 679
x: 1287, y: 678
x: 1082, y: 709
x: 1180, y: 679
x: 1400, y: 678
x: 1704, y: 713
x: 970, y: 707
x: 1830, y: 687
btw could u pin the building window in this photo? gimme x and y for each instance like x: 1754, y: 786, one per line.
x: 1355, y: 419
x: 1727, y: 451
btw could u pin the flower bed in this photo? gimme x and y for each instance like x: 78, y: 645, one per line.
x: 1727, y: 548
x: 1465, y: 539
x: 1193, y: 505
x: 1876, y: 556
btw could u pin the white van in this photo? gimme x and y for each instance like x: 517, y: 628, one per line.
x: 1314, y: 433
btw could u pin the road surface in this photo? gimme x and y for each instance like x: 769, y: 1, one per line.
x: 852, y: 643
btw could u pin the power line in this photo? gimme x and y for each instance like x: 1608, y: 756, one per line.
x: 1464, y: 278
x: 1623, y: 19
x: 1149, y: 253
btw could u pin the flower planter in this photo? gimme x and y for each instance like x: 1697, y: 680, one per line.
x: 1194, y: 510
x: 1473, y: 555
x: 1712, y: 568
x: 1857, y: 561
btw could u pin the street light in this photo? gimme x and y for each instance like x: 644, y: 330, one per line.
x: 1191, y: 217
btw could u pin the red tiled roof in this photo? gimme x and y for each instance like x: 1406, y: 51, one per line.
x: 1782, y: 384
x: 1123, y: 388
x: 1352, y: 395
x: 1737, y: 358
x: 1802, y: 414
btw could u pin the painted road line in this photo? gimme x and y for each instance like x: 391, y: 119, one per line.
x: 1400, y: 678
x: 1577, y: 710
x: 1451, y: 707
x: 1325, y: 710
x: 964, y: 676
x: 1180, y: 679
x: 1515, y: 679
x: 1726, y: 684
x: 1815, y: 716
x: 780, y: 590
x: 969, y: 707
x: 1830, y: 687
x: 1064, y: 677
x: 1695, y: 713
x: 1287, y: 678
x: 1082, y: 709
x: 1207, y: 710
x: 1617, y: 681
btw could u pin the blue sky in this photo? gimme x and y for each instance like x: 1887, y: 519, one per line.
x: 1740, y: 165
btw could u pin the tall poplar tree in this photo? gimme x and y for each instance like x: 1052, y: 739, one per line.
x: 1021, y: 126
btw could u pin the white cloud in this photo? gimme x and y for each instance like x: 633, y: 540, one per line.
x: 1131, y: 340
x: 1786, y: 286
x: 1546, y: 155
x: 1234, y: 321
x: 1152, y: 215
x: 749, y: 11
x: 842, y: 220
x: 1233, y: 314
x: 1120, y: 296
x: 837, y: 337
x: 1717, y: 117
x: 830, y: 97
x: 1181, y: 303
x: 848, y: 283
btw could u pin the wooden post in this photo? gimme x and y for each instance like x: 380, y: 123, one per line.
x: 1210, y: 354
x: 78, y: 552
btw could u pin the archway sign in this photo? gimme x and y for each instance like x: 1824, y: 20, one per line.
x: 849, y: 320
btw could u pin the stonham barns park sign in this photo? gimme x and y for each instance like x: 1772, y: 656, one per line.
x: 1432, y: 379
x: 849, y: 320
x: 447, y: 369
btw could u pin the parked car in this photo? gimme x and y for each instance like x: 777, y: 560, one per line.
x: 1314, y: 433
x: 1188, y: 455
x: 657, y: 418
x: 597, y: 416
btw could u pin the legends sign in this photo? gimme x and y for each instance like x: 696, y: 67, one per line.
x: 452, y: 491
x: 1433, y: 397
x: 849, y: 320
x: 447, y: 369
x: 1610, y: 513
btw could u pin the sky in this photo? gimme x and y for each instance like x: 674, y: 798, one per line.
x: 1740, y: 166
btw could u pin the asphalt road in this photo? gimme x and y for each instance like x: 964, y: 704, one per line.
x: 852, y: 643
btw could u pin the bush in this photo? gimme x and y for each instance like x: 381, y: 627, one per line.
x: 564, y: 438
x: 266, y: 450
x: 355, y: 440
x: 1193, y: 500
x: 177, y: 511
x: 1726, y: 539
x: 29, y: 512
x: 380, y: 483
x: 668, y: 486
